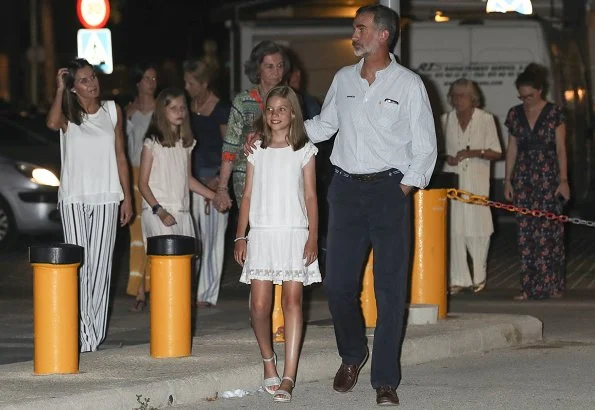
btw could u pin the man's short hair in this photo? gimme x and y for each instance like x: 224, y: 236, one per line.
x: 385, y: 18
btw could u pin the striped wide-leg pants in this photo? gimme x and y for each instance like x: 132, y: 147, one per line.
x: 211, y: 231
x: 94, y: 228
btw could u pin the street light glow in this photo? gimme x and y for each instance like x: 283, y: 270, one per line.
x: 504, y: 6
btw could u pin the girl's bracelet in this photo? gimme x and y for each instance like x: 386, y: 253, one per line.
x: 241, y: 238
x: 222, y: 188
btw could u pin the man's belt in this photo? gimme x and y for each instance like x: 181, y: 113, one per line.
x: 367, y: 177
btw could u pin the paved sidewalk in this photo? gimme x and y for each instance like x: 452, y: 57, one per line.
x: 229, y: 360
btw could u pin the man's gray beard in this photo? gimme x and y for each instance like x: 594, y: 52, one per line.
x: 360, y: 53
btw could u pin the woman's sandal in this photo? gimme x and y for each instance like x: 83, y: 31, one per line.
x: 522, y: 297
x: 138, y: 306
x: 271, y: 381
x: 479, y: 287
x: 455, y: 290
x: 283, y: 396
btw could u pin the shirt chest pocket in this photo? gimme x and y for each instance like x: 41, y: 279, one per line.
x: 388, y: 113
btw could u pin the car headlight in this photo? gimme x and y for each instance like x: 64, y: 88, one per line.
x: 38, y: 175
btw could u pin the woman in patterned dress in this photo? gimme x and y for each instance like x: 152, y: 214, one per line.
x: 536, y: 178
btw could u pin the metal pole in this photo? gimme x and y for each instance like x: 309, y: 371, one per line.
x: 396, y: 6
x: 49, y: 66
x: 34, y: 47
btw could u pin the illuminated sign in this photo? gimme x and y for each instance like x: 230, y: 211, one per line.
x: 95, y: 45
x: 93, y: 13
x: 503, y: 6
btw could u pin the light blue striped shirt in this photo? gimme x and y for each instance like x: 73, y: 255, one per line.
x: 388, y: 124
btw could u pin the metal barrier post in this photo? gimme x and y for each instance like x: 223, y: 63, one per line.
x: 429, y: 273
x: 278, y: 319
x: 171, y: 259
x: 367, y: 296
x: 55, y: 307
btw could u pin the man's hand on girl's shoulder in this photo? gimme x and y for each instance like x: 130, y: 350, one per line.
x: 250, y: 144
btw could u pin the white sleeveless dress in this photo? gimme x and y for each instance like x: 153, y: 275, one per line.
x: 278, y: 217
x: 136, y: 128
x: 89, y: 167
x: 169, y: 183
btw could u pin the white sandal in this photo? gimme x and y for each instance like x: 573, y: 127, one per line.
x: 271, y: 381
x: 283, y: 396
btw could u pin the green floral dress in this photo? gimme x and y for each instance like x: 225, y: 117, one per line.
x: 245, y: 110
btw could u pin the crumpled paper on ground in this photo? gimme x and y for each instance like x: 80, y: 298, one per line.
x: 229, y: 394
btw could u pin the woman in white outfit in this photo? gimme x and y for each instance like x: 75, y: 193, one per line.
x: 94, y: 180
x: 138, y: 115
x: 471, y: 144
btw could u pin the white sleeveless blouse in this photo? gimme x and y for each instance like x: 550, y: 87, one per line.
x: 136, y: 128
x: 89, y: 169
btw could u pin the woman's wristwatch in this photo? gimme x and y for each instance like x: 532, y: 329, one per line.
x: 155, y: 208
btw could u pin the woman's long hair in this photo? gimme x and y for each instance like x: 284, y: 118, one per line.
x: 297, y: 132
x: 138, y: 72
x: 71, y: 107
x: 160, y: 128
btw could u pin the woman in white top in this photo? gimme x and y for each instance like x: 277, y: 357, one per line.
x: 93, y: 182
x: 471, y: 144
x: 138, y: 114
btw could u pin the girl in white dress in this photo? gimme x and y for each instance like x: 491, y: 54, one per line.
x: 280, y: 204
x: 165, y: 179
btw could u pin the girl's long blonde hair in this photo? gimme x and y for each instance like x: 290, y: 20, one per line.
x: 160, y: 129
x: 297, y: 137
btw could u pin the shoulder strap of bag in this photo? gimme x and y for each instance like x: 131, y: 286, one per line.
x: 113, y: 113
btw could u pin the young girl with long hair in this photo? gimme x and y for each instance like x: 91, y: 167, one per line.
x: 280, y: 205
x: 165, y: 178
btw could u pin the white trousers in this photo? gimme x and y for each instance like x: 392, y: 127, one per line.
x: 94, y: 228
x: 478, y: 247
x: 211, y: 232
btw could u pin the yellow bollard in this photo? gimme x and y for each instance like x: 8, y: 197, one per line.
x: 428, y: 282
x: 278, y: 318
x: 368, y: 297
x: 171, y: 315
x: 55, y: 308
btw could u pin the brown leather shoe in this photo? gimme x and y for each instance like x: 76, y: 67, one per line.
x: 387, y: 396
x: 346, y: 376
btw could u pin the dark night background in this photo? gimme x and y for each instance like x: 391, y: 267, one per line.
x: 163, y: 31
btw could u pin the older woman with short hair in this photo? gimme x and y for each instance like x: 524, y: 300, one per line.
x: 471, y: 144
x: 267, y: 67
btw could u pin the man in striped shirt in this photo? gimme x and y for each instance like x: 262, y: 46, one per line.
x: 384, y: 148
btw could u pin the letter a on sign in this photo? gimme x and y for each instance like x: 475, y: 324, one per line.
x: 95, y: 45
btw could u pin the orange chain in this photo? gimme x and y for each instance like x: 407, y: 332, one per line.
x: 470, y: 198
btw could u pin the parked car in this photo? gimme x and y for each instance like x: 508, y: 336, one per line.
x: 29, y: 170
